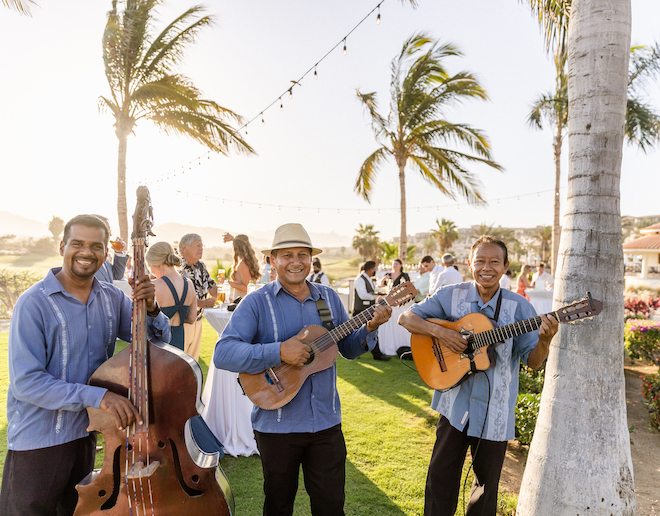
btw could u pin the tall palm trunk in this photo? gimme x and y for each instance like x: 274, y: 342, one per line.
x: 579, y: 461
x: 122, y: 207
x: 403, y: 238
x: 556, y: 224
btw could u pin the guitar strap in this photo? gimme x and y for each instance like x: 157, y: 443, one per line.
x: 325, y: 314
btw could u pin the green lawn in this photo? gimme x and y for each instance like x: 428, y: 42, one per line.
x: 388, y: 426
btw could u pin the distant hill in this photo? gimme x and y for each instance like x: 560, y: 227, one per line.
x: 212, y: 237
x: 11, y: 224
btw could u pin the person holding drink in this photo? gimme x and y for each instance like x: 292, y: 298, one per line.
x: 113, y: 269
x: 245, y: 268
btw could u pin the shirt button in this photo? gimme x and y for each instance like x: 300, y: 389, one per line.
x: 472, y: 399
x: 313, y: 396
x: 89, y: 327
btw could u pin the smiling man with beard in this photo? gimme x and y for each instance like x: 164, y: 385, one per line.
x: 478, y: 413
x: 62, y: 329
x: 266, y: 330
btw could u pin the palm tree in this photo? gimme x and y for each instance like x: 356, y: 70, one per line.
x: 642, y: 123
x: 579, y: 459
x: 507, y: 235
x: 544, y: 235
x: 446, y: 234
x: 366, y: 242
x: 415, y: 134
x: 430, y: 245
x: 139, y: 69
x: 387, y: 251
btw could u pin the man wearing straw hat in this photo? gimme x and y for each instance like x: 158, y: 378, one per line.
x: 266, y: 331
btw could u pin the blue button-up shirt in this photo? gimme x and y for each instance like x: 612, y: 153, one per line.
x: 487, y: 399
x: 251, y: 343
x: 55, y: 344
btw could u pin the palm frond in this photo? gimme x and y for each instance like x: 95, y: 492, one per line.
x: 167, y: 49
x: 368, y: 172
x: 553, y: 17
x: 642, y: 124
x: 644, y: 67
x: 22, y: 6
x: 378, y: 123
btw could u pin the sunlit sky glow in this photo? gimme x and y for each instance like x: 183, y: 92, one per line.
x: 58, y: 152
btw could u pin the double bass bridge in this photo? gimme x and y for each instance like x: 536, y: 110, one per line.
x: 138, y: 470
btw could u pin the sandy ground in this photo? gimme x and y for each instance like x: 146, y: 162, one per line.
x: 645, y: 449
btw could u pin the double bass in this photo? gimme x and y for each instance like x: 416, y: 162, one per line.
x: 168, y: 465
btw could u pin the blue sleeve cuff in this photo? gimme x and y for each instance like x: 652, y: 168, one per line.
x: 272, y: 353
x: 93, y: 396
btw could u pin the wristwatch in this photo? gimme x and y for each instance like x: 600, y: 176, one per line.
x: 155, y: 312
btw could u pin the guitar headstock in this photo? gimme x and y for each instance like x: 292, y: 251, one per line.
x: 401, y: 294
x: 584, y: 309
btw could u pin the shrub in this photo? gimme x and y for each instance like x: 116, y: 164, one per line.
x: 651, y: 393
x: 642, y: 339
x: 530, y: 381
x: 636, y: 308
x: 12, y: 284
x: 527, y: 410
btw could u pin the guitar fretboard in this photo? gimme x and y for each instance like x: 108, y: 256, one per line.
x: 344, y: 330
x: 496, y: 335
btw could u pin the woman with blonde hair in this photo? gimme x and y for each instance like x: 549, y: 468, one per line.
x: 523, y: 281
x: 175, y: 294
x: 246, y: 266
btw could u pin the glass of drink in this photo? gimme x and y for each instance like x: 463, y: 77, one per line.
x: 221, y: 296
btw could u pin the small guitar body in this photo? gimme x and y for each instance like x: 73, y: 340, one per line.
x: 429, y: 353
x: 442, y: 369
x: 277, y: 386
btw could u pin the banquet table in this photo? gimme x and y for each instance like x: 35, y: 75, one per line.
x: 391, y: 335
x: 541, y: 300
x: 227, y: 411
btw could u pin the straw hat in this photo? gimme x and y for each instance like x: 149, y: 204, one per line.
x: 291, y: 235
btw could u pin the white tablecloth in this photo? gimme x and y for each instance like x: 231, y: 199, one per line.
x: 227, y: 410
x: 391, y: 336
x: 541, y: 300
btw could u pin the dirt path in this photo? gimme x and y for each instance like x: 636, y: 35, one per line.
x: 645, y: 450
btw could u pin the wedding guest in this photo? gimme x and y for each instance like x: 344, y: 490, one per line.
x: 113, y: 269
x: 523, y: 281
x: 174, y: 293
x: 191, y: 249
x: 245, y: 268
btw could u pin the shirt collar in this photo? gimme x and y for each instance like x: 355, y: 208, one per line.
x: 52, y: 285
x: 474, y: 297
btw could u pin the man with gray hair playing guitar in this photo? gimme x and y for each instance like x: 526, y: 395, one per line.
x: 479, y: 410
x: 287, y: 365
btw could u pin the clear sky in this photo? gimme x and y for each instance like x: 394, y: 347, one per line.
x: 58, y: 152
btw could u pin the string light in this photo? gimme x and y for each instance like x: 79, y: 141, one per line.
x: 378, y: 17
x: 434, y: 207
x: 263, y: 122
x: 345, y: 46
x: 281, y: 105
x: 291, y: 92
x: 316, y: 76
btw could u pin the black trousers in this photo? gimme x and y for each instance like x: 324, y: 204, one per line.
x: 444, y: 476
x: 323, y: 459
x: 43, y: 482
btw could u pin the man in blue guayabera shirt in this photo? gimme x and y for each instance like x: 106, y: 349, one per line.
x: 62, y: 329
x: 266, y: 330
x: 480, y: 412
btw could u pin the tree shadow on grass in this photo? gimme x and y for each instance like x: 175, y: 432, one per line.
x: 363, y: 497
x: 390, y: 382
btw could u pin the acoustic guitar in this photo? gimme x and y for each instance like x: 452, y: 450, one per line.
x: 443, y: 369
x: 277, y: 386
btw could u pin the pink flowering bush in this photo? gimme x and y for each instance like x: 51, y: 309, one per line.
x: 642, y: 339
x: 636, y: 308
x: 651, y: 393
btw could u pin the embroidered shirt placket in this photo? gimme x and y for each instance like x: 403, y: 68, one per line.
x: 65, y: 354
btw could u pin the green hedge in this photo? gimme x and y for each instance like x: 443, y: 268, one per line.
x: 651, y: 393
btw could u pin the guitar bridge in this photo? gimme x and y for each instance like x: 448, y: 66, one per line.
x: 437, y: 351
x: 273, y: 379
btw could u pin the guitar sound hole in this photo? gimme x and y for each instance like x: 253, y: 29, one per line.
x: 312, y: 355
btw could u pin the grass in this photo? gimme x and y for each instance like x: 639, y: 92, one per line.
x: 389, y: 430
x: 38, y: 262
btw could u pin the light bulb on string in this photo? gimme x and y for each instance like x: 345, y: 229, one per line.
x: 263, y: 122
x: 291, y: 92
x: 345, y: 51
x: 281, y: 105
x: 316, y: 76
x: 378, y: 17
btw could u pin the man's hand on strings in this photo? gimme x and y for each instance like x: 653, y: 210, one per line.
x: 121, y: 409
